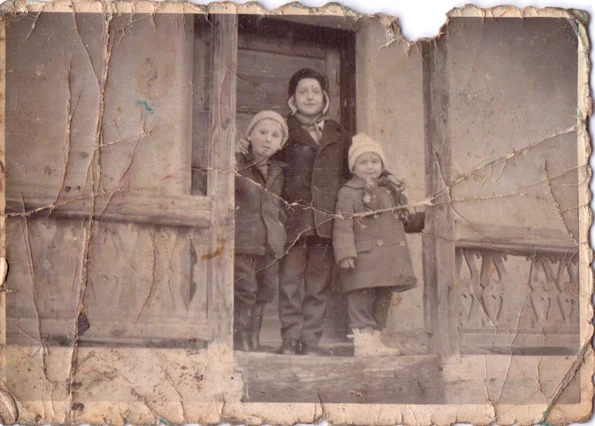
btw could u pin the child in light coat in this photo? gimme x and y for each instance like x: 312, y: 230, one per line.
x: 370, y: 245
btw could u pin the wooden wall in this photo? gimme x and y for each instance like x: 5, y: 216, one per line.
x: 99, y: 127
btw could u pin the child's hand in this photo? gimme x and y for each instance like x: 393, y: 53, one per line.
x: 348, y: 263
x: 399, y: 184
x: 243, y: 146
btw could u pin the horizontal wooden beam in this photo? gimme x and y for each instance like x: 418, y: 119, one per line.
x: 537, y: 343
x: 514, y: 239
x: 129, y: 207
x: 193, y: 333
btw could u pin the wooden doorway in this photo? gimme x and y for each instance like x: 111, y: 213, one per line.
x: 270, y: 51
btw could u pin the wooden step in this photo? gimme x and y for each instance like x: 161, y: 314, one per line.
x: 335, y: 379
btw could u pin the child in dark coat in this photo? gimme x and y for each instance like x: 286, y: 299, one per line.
x: 260, y: 236
x: 316, y: 155
x: 370, y: 245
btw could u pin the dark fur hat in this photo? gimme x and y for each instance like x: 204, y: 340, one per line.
x: 307, y: 73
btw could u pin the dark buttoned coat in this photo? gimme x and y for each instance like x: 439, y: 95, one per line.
x: 313, y: 176
x: 259, y: 213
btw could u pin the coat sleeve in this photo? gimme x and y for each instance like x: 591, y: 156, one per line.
x: 414, y: 222
x: 281, y: 202
x: 343, y: 237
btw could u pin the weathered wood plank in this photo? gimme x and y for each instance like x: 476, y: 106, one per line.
x: 201, y: 117
x: 295, y: 48
x: 348, y: 85
x: 58, y: 332
x: 3, y: 263
x: 221, y: 177
x: 438, y: 242
x: 515, y: 239
x: 266, y: 87
x: 389, y: 380
x: 538, y: 343
x: 332, y: 68
x: 133, y: 207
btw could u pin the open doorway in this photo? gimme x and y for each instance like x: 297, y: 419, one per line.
x: 270, y: 51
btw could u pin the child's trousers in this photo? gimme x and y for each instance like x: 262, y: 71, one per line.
x: 255, y: 280
x: 368, y: 308
x: 304, y: 286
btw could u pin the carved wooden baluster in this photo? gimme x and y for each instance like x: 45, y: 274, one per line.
x: 567, y: 297
x: 492, y: 296
x: 465, y: 294
x: 199, y: 257
x: 477, y: 312
x: 540, y: 300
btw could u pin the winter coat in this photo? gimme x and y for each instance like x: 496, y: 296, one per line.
x: 259, y: 213
x: 376, y: 241
x: 314, y: 174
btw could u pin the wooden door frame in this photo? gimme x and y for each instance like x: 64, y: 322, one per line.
x: 221, y: 177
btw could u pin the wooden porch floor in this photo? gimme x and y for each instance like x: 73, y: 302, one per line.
x: 334, y: 379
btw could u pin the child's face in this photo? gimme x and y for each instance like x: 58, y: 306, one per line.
x: 368, y: 166
x: 266, y: 138
x: 309, y: 97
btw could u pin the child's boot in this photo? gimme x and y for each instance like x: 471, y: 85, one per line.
x: 362, y: 340
x: 241, y: 338
x: 256, y: 325
x: 367, y: 342
x: 382, y: 349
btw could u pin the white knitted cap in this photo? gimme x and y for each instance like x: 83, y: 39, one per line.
x: 269, y: 115
x: 362, y: 143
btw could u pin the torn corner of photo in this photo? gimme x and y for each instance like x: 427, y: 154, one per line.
x: 223, y: 214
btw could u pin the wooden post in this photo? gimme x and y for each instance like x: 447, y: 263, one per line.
x: 3, y: 263
x: 221, y: 176
x: 439, y: 234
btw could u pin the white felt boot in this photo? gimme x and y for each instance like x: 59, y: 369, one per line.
x: 369, y: 343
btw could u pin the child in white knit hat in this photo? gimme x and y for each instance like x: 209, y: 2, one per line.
x: 370, y: 246
x: 260, y: 235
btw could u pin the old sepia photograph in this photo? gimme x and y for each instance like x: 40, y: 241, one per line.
x: 227, y: 214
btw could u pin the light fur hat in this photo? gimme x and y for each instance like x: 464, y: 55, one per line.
x: 362, y: 143
x: 269, y: 115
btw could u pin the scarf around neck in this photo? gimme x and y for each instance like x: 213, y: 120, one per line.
x: 314, y: 126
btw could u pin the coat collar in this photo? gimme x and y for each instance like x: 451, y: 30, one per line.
x: 246, y: 162
x: 356, y: 183
x: 331, y: 133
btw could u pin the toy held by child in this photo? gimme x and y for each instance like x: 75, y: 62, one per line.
x: 260, y: 236
x: 370, y: 245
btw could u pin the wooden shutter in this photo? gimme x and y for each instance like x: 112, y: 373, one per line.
x: 105, y: 234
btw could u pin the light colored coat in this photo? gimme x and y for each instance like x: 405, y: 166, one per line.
x: 376, y: 241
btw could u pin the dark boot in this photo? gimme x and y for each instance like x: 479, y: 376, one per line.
x: 241, y: 341
x: 289, y: 347
x: 256, y: 325
x: 241, y: 337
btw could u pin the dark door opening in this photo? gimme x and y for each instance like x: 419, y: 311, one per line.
x: 270, y: 51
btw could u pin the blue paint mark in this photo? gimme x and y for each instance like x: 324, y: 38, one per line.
x: 543, y: 421
x: 145, y: 105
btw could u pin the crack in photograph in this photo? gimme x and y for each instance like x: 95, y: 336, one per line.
x: 236, y: 215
